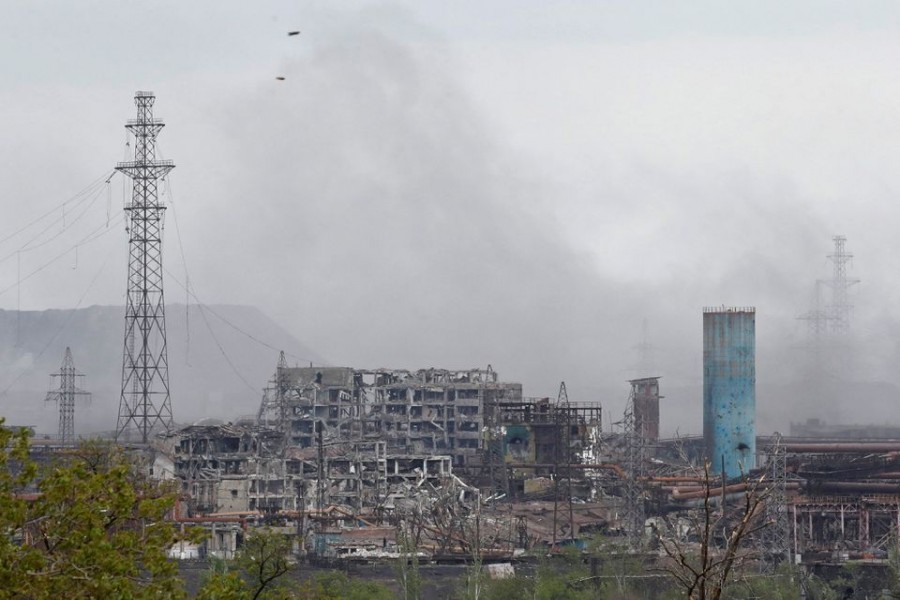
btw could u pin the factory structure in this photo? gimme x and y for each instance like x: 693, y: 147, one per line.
x: 364, y: 464
x: 345, y: 458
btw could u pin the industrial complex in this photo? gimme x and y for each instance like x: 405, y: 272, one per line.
x: 460, y: 464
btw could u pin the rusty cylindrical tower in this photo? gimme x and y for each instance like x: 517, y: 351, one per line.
x: 729, y: 389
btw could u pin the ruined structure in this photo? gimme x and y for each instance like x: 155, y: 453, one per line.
x: 429, y: 411
x: 386, y: 446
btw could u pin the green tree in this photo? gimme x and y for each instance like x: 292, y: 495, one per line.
x: 17, y: 472
x: 257, y: 572
x: 222, y: 583
x: 786, y: 583
x: 408, y: 565
x: 264, y: 561
x: 518, y: 587
x: 335, y: 585
x: 88, y: 526
x: 723, y: 534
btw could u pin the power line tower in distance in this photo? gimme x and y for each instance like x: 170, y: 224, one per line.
x: 64, y: 396
x: 840, y: 308
x: 145, y: 406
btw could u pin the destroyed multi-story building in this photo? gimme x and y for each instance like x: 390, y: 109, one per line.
x: 364, y: 434
x: 429, y: 411
x: 359, y: 430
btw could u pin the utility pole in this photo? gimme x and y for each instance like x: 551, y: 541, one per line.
x: 145, y: 406
x: 64, y: 396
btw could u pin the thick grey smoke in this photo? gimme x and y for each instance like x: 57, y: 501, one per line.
x: 373, y: 207
x: 389, y: 224
x: 400, y: 232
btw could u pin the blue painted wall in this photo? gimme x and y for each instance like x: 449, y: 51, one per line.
x: 729, y: 389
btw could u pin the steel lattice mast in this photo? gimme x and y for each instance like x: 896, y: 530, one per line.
x: 840, y: 285
x: 64, y: 396
x: 145, y: 405
x: 633, y: 508
x: 776, y: 537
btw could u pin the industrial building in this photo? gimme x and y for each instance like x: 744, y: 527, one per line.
x: 359, y: 464
x: 433, y: 411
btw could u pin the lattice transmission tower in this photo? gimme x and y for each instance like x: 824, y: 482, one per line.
x: 840, y: 307
x: 145, y: 406
x: 817, y: 318
x: 633, y: 518
x: 64, y: 396
x: 776, y: 536
x: 563, y: 459
x: 273, y: 405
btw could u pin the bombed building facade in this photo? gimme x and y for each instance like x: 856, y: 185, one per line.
x: 336, y: 443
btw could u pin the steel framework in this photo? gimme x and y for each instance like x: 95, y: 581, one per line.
x: 64, y: 396
x: 777, y: 536
x: 498, y: 475
x: 274, y: 405
x: 633, y: 519
x: 145, y: 405
x: 562, y: 459
x: 840, y: 307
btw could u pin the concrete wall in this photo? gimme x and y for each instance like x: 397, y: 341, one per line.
x: 729, y: 389
x: 232, y: 495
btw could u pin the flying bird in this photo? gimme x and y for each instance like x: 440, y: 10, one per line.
x: 279, y: 78
x: 290, y: 33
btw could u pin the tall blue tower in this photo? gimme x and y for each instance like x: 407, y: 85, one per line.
x: 729, y: 389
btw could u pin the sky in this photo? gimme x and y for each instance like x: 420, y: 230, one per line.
x: 522, y: 184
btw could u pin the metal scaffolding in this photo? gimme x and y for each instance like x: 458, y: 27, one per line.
x: 145, y: 406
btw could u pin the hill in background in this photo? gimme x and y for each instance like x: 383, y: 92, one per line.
x: 202, y: 382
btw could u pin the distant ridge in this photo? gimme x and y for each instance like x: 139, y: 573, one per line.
x: 203, y: 385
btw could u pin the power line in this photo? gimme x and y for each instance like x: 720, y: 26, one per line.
x: 168, y: 190
x: 189, y: 293
x: 25, y: 246
x: 84, y: 241
x: 225, y: 354
x: 62, y: 327
x: 103, y: 178
x: 233, y: 326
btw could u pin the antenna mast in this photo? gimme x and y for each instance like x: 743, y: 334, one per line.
x: 144, y: 406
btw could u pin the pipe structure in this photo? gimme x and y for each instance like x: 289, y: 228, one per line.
x: 607, y: 466
x: 716, y: 490
x: 674, y: 479
x: 840, y: 447
x: 855, y: 486
x: 176, y: 516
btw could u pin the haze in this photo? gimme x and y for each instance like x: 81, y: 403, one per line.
x: 456, y: 184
